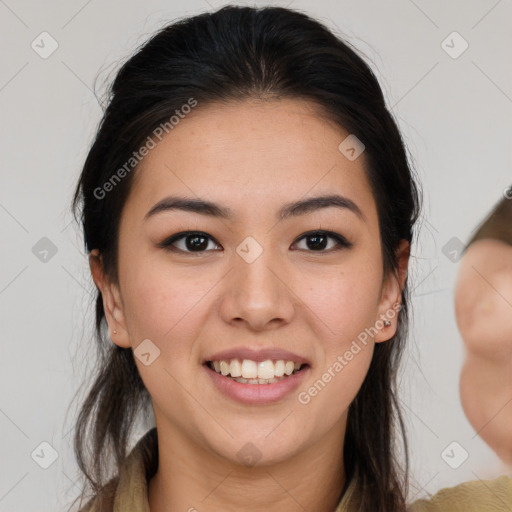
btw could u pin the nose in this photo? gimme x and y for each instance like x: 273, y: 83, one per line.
x: 258, y: 294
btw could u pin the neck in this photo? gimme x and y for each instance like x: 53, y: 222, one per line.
x: 193, y: 480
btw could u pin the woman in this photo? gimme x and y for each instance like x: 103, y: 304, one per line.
x: 483, y: 306
x: 248, y: 208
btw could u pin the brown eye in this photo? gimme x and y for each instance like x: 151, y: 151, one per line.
x: 193, y: 241
x: 317, y: 241
x: 198, y: 242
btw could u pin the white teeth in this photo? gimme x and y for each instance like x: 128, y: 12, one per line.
x: 250, y: 372
x: 224, y: 367
x: 235, y: 368
x: 288, y: 367
x: 266, y: 370
x: 249, y: 369
x: 279, y: 368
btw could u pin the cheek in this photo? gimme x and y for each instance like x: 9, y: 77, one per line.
x: 345, y: 300
x: 345, y: 306
x: 336, y: 383
x: 161, y: 303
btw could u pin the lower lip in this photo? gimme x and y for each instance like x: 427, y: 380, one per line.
x: 256, y: 393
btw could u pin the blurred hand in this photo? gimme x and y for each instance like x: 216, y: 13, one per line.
x: 483, y: 309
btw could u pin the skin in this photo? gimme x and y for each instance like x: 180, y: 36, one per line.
x: 191, y: 305
x: 483, y: 308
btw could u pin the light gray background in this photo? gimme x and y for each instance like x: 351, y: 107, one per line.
x: 455, y: 115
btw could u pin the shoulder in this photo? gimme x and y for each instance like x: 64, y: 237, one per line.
x: 473, y: 496
x: 128, y: 489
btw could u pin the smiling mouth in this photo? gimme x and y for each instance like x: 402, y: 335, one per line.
x: 247, y: 371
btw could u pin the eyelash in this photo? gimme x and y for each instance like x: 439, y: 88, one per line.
x: 342, y: 242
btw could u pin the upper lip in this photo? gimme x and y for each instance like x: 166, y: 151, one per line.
x: 264, y: 354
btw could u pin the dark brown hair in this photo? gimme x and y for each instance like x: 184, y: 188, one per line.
x: 238, y: 53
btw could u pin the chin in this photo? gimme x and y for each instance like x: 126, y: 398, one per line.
x: 255, y: 451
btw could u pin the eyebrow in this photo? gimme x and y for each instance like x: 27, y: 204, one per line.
x: 294, y: 209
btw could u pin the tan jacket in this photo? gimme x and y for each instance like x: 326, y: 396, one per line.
x: 129, y: 489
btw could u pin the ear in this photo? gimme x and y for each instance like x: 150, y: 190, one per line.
x: 112, y: 303
x: 391, y: 296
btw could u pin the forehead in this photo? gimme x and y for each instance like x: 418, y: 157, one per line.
x: 251, y: 156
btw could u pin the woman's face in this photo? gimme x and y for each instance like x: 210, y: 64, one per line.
x: 251, y: 282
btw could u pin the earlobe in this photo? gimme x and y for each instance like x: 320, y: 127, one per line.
x: 112, y: 304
